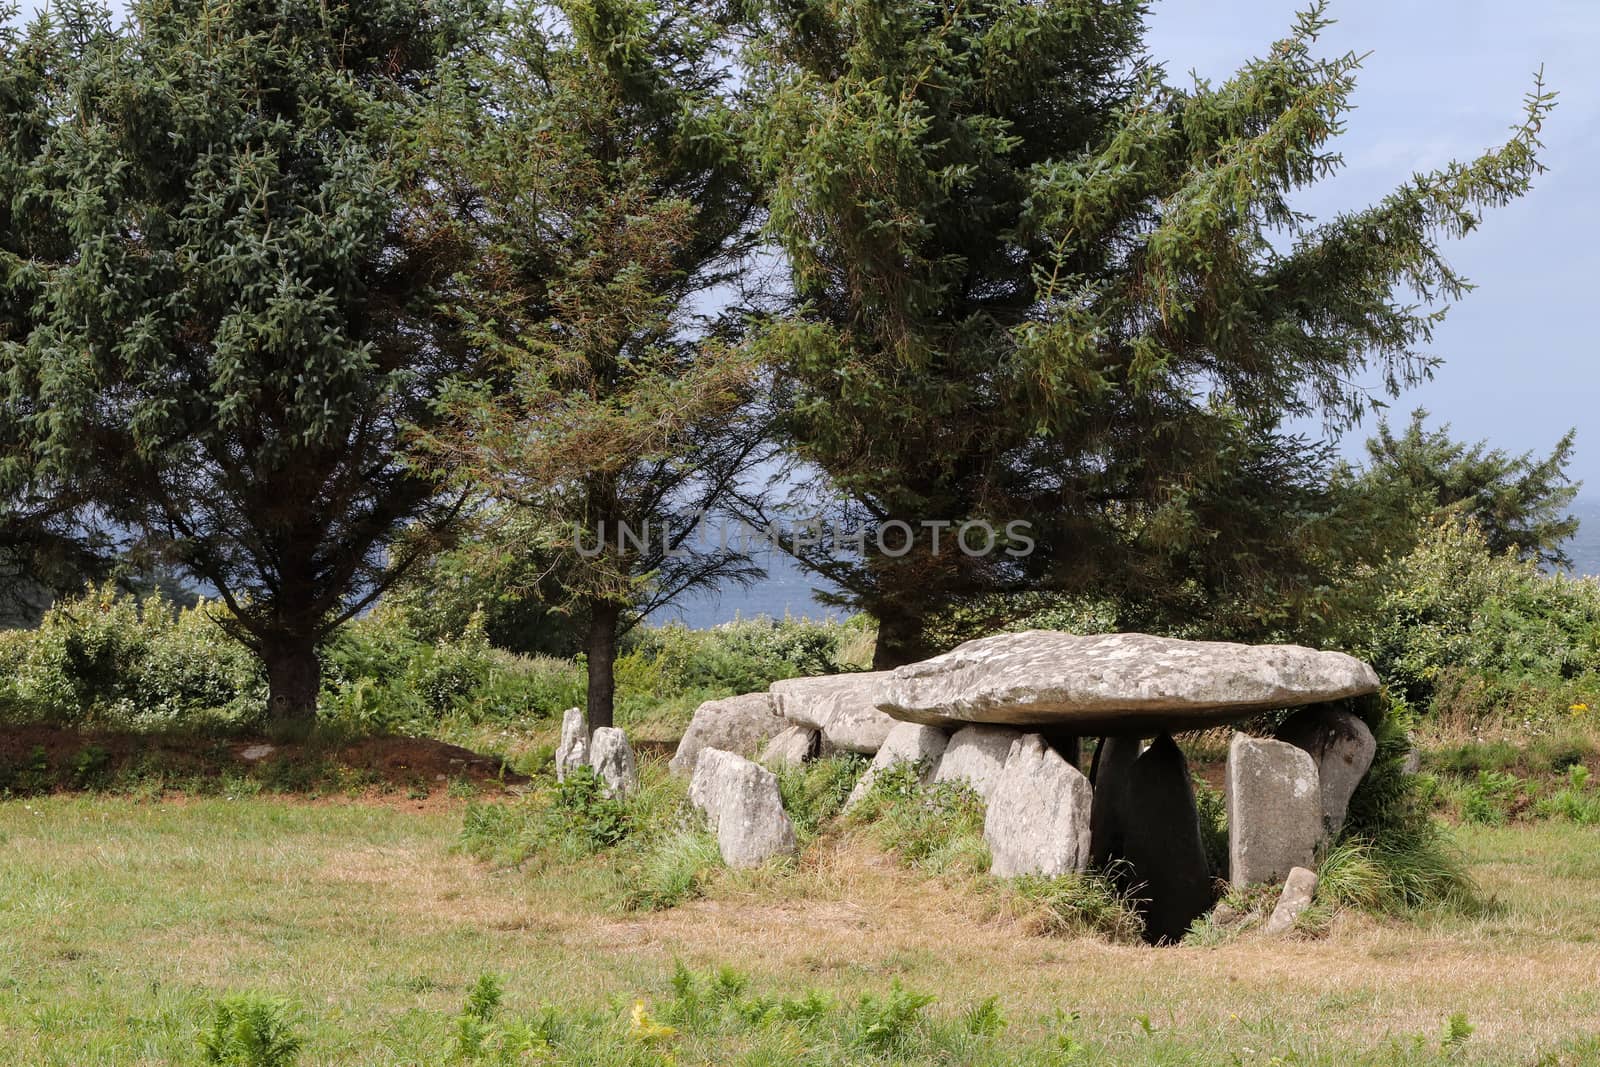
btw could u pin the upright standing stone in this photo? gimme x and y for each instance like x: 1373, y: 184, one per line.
x: 743, y: 807
x: 1342, y: 746
x: 1111, y: 764
x: 573, y: 751
x: 1298, y: 889
x: 1412, y: 762
x: 908, y: 742
x: 612, y: 759
x: 1038, y: 816
x: 790, y: 747
x: 1274, y: 810
x: 976, y: 755
x: 739, y: 724
x: 1161, y: 843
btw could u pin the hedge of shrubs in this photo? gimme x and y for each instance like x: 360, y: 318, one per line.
x: 1456, y: 630
x: 111, y: 660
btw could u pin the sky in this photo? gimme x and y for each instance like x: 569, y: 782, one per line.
x: 1445, y: 80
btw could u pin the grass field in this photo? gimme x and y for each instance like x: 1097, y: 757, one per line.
x: 123, y: 920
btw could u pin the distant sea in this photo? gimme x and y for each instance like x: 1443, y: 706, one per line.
x: 1585, y: 547
x: 785, y: 591
x: 789, y: 591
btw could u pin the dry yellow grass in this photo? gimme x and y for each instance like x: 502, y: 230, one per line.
x: 118, y: 920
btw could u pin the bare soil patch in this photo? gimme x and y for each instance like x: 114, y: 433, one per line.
x: 407, y: 771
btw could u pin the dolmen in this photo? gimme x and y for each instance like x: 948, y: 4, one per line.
x: 1007, y: 715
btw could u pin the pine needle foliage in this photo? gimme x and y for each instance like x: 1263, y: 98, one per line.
x: 1037, y: 279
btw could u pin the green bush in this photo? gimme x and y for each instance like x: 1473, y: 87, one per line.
x: 1491, y: 798
x: 737, y: 657
x: 110, y: 659
x: 379, y: 677
x: 1390, y: 824
x: 1577, y: 801
x: 931, y: 827
x: 1452, y: 613
x: 567, y: 820
x: 655, y: 852
x: 250, y: 1031
x: 885, y: 1025
x: 1393, y: 875
x: 26, y: 776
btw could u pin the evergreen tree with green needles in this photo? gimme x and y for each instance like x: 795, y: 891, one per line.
x: 1036, y: 279
x: 1519, y: 502
x: 599, y: 156
x: 223, y: 273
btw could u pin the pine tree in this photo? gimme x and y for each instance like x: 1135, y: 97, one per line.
x: 1036, y: 280
x: 1518, y: 502
x: 598, y: 154
x: 218, y: 232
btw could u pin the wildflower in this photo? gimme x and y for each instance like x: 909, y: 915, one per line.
x: 646, y: 1030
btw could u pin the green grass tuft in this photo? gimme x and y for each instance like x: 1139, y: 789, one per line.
x: 1077, y: 905
x: 814, y: 792
x: 673, y: 869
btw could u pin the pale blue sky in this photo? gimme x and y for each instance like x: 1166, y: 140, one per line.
x: 1445, y: 79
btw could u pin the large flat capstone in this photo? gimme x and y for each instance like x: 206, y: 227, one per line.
x: 1115, y: 684
x: 841, y: 706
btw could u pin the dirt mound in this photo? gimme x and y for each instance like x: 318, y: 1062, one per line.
x: 48, y: 759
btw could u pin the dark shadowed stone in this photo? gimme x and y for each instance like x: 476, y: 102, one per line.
x: 1342, y: 746
x: 1161, y: 843
x: 1111, y: 763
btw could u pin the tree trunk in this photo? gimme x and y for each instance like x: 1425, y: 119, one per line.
x: 900, y: 641
x: 601, y: 651
x: 294, y: 676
